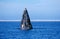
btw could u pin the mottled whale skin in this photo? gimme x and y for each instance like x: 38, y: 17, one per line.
x: 25, y: 22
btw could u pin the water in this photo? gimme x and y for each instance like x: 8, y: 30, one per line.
x: 41, y: 30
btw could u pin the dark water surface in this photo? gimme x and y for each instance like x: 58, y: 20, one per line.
x: 41, y: 30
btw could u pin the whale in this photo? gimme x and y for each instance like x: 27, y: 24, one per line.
x: 25, y: 22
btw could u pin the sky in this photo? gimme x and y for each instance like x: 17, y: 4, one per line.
x: 37, y: 9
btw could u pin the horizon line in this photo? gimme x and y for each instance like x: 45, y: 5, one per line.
x: 31, y: 20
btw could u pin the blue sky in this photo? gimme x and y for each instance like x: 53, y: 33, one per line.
x: 38, y: 9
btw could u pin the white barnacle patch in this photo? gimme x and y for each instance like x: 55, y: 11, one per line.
x: 22, y: 25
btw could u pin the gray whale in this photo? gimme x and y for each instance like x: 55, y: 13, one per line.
x: 25, y: 22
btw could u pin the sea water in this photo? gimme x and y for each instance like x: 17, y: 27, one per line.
x: 41, y: 30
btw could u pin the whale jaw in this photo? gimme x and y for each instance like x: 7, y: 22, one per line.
x: 28, y: 27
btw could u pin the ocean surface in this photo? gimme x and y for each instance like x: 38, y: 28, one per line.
x: 41, y: 30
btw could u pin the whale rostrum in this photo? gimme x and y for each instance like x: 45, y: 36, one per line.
x: 25, y: 22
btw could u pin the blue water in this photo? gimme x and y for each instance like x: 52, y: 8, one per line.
x: 41, y: 30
